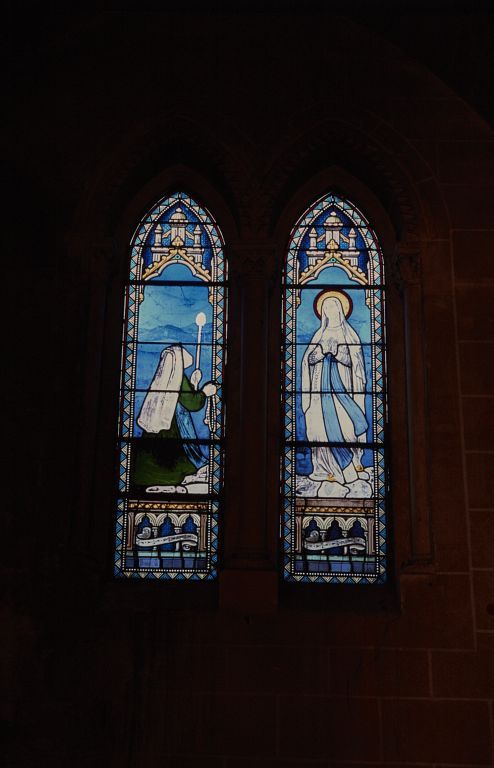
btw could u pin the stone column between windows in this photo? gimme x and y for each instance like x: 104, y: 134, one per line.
x: 249, y: 572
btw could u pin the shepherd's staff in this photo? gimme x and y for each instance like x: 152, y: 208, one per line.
x: 210, y: 414
x: 200, y: 322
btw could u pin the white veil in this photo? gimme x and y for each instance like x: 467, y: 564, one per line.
x: 160, y: 402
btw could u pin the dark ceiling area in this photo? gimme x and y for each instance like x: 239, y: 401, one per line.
x: 452, y: 39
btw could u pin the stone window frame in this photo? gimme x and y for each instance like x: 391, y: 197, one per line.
x: 256, y: 231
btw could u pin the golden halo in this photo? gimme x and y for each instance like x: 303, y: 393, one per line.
x: 345, y: 299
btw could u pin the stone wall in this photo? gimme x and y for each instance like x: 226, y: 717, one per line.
x: 257, y: 113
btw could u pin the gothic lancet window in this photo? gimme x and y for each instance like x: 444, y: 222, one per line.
x: 334, y: 476
x: 171, y: 401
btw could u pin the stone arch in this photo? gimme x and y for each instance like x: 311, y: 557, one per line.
x: 363, y: 168
x: 143, y: 166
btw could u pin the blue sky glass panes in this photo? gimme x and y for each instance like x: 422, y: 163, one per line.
x: 171, y: 400
x: 334, y: 477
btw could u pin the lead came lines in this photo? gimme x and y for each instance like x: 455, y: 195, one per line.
x: 333, y: 219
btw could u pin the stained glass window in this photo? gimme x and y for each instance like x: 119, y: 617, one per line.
x: 334, y: 477
x: 171, y: 402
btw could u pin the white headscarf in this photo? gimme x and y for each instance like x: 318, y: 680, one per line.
x: 158, y: 407
x: 334, y: 325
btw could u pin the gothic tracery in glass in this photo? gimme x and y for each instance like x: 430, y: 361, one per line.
x: 171, y: 401
x: 333, y: 469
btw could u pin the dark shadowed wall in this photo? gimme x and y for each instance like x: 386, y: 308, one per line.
x: 256, y: 114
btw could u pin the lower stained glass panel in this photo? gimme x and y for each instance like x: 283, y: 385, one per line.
x: 168, y: 539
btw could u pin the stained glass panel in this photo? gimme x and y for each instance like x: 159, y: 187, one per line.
x: 171, y: 401
x: 334, y: 478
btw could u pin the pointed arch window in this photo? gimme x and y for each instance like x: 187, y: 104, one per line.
x: 171, y: 414
x: 334, y: 475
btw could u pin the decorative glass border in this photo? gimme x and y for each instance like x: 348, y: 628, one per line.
x: 299, y: 272
x: 148, y: 262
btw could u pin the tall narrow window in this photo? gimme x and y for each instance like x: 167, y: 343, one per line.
x: 334, y: 388
x: 171, y: 414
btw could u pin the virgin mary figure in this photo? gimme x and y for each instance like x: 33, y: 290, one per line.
x: 163, y: 455
x: 333, y: 392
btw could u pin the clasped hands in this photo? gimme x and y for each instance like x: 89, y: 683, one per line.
x: 209, y: 389
x: 319, y: 354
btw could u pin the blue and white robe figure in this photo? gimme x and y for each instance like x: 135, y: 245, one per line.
x: 333, y: 396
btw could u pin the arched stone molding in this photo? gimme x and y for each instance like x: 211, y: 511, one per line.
x: 103, y: 259
x: 351, y: 154
x: 256, y: 216
x: 139, y: 161
x: 403, y: 232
